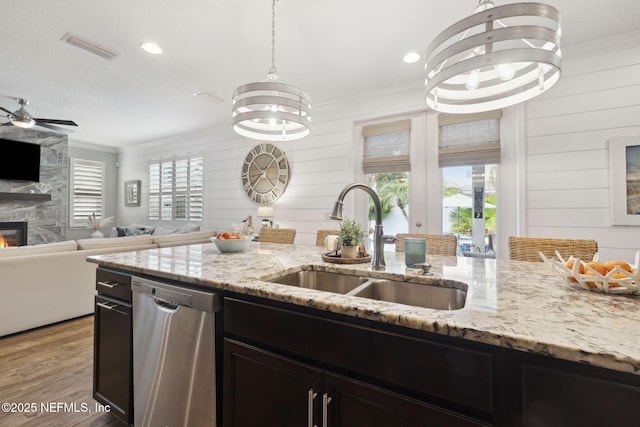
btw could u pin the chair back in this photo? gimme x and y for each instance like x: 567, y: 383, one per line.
x: 526, y: 248
x: 322, y: 234
x: 277, y: 235
x: 437, y: 244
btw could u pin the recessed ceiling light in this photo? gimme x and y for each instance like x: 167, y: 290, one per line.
x: 151, y: 48
x: 411, y: 57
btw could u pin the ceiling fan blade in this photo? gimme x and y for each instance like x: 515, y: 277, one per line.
x: 11, y: 113
x: 54, y: 128
x: 56, y: 122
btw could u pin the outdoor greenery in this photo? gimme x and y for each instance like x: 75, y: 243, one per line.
x: 466, y: 218
x: 351, y: 233
x: 393, y: 190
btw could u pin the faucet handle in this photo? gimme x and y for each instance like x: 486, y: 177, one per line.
x: 426, y: 267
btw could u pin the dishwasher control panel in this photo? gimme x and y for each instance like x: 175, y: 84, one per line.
x: 177, y: 295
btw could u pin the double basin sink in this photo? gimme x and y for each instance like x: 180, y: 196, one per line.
x: 408, y: 293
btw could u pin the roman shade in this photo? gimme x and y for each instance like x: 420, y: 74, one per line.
x: 469, y: 139
x: 386, y: 147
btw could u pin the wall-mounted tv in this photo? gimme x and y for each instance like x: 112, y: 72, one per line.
x: 21, y: 160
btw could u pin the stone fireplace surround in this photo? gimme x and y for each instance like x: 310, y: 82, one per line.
x: 47, y: 219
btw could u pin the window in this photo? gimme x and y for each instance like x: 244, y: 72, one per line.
x: 469, y: 151
x: 87, y: 191
x: 387, y: 167
x: 176, y: 189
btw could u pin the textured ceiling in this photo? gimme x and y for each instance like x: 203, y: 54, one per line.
x: 329, y: 48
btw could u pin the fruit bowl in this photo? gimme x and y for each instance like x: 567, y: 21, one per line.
x: 239, y: 244
x: 615, y: 277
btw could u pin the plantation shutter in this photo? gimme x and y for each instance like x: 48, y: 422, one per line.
x: 87, y: 189
x: 386, y: 147
x: 176, y: 189
x: 469, y: 139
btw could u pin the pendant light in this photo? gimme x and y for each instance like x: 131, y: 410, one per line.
x: 271, y: 110
x: 497, y: 57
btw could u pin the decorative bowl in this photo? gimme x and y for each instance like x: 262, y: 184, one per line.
x: 231, y: 245
x: 580, y: 273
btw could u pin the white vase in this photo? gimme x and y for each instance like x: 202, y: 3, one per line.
x: 97, y: 234
x: 349, y: 252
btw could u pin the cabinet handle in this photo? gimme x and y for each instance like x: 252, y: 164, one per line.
x: 312, y: 395
x: 109, y: 284
x: 110, y: 307
x: 325, y: 409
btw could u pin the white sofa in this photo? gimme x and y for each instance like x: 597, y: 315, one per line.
x: 48, y: 283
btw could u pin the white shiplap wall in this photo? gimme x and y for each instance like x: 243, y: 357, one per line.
x: 322, y: 164
x: 564, y: 160
x: 567, y: 129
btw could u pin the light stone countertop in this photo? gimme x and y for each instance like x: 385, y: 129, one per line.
x: 513, y: 304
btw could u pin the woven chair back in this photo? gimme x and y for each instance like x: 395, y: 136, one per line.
x: 277, y: 235
x: 527, y: 248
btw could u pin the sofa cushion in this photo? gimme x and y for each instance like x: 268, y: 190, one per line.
x: 45, y: 248
x: 164, y: 231
x: 188, y: 228
x: 133, y: 231
x: 186, y: 238
x: 145, y: 239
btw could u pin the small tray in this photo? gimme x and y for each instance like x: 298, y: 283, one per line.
x: 337, y: 259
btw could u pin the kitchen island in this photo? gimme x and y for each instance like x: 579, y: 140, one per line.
x: 536, y: 331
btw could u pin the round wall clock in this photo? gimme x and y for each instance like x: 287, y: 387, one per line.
x: 265, y: 173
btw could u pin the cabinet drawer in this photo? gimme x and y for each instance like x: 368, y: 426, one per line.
x: 444, y: 372
x: 113, y: 284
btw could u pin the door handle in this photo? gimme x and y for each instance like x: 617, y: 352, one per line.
x: 312, y: 395
x: 325, y: 409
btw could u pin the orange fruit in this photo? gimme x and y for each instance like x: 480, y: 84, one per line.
x: 597, y: 266
x: 590, y: 273
x: 617, y: 276
x: 570, y: 265
x: 616, y: 262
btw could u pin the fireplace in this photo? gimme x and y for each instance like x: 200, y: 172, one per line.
x: 13, y: 234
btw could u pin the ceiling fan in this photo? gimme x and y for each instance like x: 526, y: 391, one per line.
x: 21, y: 118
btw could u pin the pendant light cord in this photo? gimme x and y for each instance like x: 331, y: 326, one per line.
x: 272, y: 70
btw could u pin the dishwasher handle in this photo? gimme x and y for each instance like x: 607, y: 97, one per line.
x: 177, y: 295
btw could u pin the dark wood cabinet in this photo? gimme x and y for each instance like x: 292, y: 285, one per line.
x: 263, y: 388
x: 560, y: 395
x: 281, y: 366
x: 113, y: 334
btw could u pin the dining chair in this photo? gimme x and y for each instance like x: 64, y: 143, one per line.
x: 277, y: 235
x: 527, y: 248
x: 322, y: 234
x: 437, y: 244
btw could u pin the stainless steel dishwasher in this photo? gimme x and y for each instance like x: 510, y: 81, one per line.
x: 174, y: 372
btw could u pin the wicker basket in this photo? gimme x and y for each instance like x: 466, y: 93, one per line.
x: 629, y: 283
x: 277, y: 235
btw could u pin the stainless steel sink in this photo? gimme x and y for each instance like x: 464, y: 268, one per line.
x: 416, y: 294
x: 322, y: 281
x: 408, y: 293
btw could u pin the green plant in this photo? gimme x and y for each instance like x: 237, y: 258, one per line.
x: 351, y: 233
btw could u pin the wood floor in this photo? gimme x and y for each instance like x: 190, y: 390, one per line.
x: 51, y: 367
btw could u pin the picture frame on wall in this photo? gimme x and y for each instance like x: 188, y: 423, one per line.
x: 132, y: 193
x: 624, y: 170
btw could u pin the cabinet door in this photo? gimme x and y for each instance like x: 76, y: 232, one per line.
x: 567, y: 398
x: 357, y: 404
x: 112, y: 365
x: 263, y: 389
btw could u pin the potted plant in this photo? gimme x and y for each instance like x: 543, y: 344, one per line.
x: 97, y: 223
x: 350, y: 236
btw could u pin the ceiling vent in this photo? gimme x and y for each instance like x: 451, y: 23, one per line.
x: 208, y: 96
x: 89, y: 46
